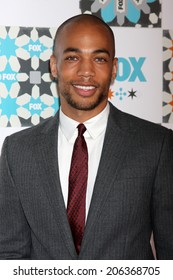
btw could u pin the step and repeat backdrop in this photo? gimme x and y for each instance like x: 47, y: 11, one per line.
x: 144, y: 46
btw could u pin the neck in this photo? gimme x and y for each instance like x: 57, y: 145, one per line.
x: 82, y: 116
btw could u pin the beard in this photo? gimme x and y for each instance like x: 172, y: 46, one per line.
x: 85, y: 104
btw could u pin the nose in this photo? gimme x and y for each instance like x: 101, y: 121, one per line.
x: 86, y: 68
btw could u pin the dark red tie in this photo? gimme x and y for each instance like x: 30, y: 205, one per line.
x: 77, y: 187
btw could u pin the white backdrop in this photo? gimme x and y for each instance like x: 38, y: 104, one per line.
x: 135, y: 45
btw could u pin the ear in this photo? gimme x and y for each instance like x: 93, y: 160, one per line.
x: 114, y: 68
x: 53, y: 66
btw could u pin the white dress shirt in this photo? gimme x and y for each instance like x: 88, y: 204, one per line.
x: 94, y: 137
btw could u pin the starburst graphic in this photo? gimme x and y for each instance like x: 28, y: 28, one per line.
x: 8, y: 47
x: 8, y: 111
x: 125, y: 13
x: 132, y: 93
x: 171, y: 103
x: 110, y: 94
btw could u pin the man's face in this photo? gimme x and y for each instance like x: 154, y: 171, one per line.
x: 84, y: 66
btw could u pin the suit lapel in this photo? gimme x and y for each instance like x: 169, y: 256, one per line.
x: 116, y: 145
x: 47, y: 160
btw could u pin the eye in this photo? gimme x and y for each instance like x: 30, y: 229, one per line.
x: 71, y: 58
x: 101, y: 59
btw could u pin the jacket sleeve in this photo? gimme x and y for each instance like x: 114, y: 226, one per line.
x: 15, y: 237
x: 162, y: 201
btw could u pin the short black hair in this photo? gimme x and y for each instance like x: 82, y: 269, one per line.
x: 83, y: 18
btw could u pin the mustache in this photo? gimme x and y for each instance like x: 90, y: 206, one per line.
x: 83, y: 82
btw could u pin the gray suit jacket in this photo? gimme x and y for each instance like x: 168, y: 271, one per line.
x: 133, y: 194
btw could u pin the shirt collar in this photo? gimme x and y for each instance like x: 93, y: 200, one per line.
x: 95, y: 126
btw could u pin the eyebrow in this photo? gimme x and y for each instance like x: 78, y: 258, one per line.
x: 97, y: 51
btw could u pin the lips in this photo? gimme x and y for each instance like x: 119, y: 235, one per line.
x: 85, y: 90
x: 84, y: 87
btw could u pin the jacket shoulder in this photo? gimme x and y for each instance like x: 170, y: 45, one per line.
x: 130, y: 123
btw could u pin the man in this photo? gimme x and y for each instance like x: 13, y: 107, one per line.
x: 129, y: 185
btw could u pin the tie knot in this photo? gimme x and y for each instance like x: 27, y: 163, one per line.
x: 81, y: 129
